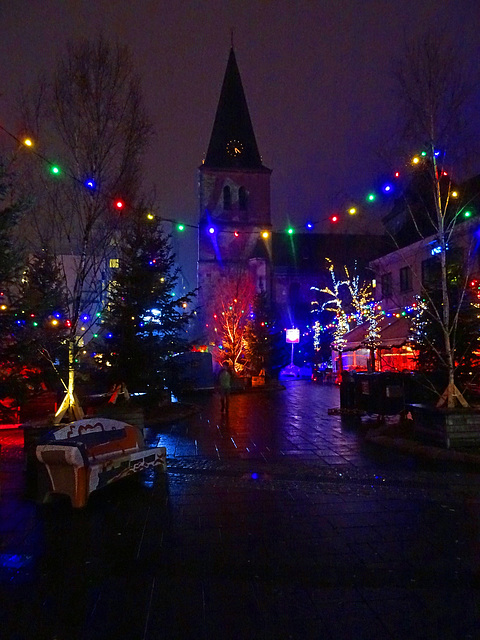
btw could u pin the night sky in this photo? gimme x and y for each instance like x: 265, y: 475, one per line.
x: 317, y: 76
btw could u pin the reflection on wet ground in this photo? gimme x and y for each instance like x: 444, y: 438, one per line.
x: 278, y: 521
x: 281, y: 423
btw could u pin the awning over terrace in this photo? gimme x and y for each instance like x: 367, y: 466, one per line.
x: 394, y: 332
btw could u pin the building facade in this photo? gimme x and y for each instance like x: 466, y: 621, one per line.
x: 234, y: 236
x: 236, y: 246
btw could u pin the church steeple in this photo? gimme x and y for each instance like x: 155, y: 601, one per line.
x: 234, y: 204
x: 232, y: 143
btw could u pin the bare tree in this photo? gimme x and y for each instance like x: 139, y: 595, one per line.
x: 434, y: 89
x: 91, y: 121
x: 351, y: 301
x: 232, y: 306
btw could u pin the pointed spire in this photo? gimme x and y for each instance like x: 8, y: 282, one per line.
x: 232, y: 143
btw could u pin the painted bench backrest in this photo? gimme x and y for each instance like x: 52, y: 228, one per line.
x: 86, y: 426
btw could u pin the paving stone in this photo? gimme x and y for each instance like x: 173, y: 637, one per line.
x: 280, y: 522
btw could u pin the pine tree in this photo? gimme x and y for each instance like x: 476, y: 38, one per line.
x: 41, y: 312
x: 12, y: 378
x: 260, y: 335
x: 90, y: 118
x: 427, y: 333
x: 10, y: 212
x: 146, y: 323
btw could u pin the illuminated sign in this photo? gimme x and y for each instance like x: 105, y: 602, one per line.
x: 293, y: 336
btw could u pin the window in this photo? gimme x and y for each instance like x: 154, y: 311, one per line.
x: 242, y: 199
x: 431, y: 273
x: 386, y: 285
x: 405, y: 279
x: 227, y: 198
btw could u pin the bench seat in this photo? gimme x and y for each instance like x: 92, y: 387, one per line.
x: 88, y: 454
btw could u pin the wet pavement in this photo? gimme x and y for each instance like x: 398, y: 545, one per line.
x: 277, y: 521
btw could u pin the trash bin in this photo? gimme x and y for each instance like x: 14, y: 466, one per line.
x: 381, y: 393
x: 347, y: 391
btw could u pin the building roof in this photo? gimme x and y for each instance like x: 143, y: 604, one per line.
x: 307, y: 252
x: 412, y: 217
x: 232, y: 143
x: 394, y: 332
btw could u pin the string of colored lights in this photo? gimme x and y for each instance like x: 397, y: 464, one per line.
x: 387, y: 189
x: 54, y: 168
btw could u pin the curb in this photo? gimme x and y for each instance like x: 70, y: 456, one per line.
x: 416, y: 448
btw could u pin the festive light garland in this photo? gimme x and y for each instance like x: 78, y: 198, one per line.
x: 341, y: 327
x: 387, y: 189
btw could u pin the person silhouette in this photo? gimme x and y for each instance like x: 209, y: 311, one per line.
x: 225, y: 385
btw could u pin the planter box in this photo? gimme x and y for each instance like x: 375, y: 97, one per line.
x: 456, y: 428
x: 123, y: 412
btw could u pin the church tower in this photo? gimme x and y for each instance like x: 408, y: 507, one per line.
x: 234, y: 234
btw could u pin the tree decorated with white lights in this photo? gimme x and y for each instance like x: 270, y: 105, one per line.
x: 365, y: 310
x: 373, y: 337
x: 336, y: 305
x: 90, y: 129
x: 317, y: 333
x: 361, y: 296
x: 352, y: 303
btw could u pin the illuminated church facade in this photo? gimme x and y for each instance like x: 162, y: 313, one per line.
x: 235, y: 238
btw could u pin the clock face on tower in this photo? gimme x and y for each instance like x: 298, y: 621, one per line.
x: 234, y: 148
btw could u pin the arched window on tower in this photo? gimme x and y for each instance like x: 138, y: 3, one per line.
x: 227, y: 198
x: 242, y: 199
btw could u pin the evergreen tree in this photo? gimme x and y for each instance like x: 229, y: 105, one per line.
x: 12, y: 378
x: 89, y: 116
x: 41, y: 312
x: 10, y: 211
x: 429, y: 339
x: 260, y: 335
x: 145, y: 323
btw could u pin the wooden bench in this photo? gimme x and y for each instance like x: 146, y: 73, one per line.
x: 88, y: 454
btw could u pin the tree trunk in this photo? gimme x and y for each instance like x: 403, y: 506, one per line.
x: 340, y: 363
x: 451, y: 395
x: 70, y: 404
